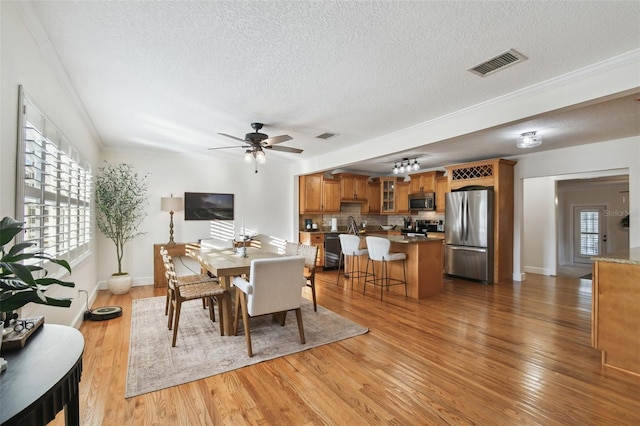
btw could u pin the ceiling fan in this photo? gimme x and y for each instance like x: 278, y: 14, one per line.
x: 255, y: 142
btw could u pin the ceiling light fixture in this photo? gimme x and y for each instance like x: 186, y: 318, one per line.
x: 528, y: 140
x: 406, y: 166
x: 260, y: 157
x: 248, y: 156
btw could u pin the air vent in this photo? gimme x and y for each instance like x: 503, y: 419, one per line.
x: 499, y: 62
x: 327, y: 136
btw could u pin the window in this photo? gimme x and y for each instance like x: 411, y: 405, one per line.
x: 589, y: 233
x: 54, y: 187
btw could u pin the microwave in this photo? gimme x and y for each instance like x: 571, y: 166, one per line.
x: 423, y: 201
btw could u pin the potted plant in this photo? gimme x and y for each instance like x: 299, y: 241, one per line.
x: 18, y: 285
x: 624, y: 222
x: 121, y: 197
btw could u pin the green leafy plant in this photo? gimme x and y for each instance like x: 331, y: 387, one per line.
x: 121, y: 195
x: 625, y: 221
x: 18, y: 286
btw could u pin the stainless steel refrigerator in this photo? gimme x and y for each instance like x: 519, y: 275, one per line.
x: 469, y: 234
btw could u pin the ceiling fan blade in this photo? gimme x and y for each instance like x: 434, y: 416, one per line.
x: 232, y: 137
x: 234, y: 146
x: 276, y: 139
x: 284, y: 149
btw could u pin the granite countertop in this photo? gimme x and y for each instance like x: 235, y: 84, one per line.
x: 403, y: 239
x: 630, y: 257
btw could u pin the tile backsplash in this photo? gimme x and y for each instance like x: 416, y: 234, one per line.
x: 373, y: 220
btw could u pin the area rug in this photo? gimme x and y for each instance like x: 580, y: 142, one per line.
x: 200, y: 350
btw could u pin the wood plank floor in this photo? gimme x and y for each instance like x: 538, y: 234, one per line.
x: 503, y: 354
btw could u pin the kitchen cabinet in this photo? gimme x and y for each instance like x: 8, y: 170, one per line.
x: 314, y: 239
x: 318, y: 194
x: 615, y: 309
x: 424, y: 182
x: 402, y: 197
x: 373, y: 204
x: 353, y: 188
x: 330, y: 195
x: 497, y: 173
x: 388, y: 195
x: 442, y: 187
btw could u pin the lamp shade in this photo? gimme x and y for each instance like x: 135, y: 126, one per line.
x: 171, y: 204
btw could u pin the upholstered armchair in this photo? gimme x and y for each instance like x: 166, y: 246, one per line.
x: 274, y: 287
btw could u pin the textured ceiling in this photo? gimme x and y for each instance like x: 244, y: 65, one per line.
x: 172, y: 75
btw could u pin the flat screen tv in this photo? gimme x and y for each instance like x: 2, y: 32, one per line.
x: 208, y: 206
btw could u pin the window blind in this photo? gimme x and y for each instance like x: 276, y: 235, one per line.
x: 54, y: 187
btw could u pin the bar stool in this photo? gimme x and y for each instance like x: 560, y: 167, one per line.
x: 350, y: 246
x: 379, y: 252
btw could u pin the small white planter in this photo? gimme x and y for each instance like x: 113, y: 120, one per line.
x: 119, y: 284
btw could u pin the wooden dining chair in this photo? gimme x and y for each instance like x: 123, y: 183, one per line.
x: 290, y: 248
x: 274, y: 286
x: 310, y: 254
x: 192, y: 287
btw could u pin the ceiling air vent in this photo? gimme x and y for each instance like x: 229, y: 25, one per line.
x: 326, y: 135
x: 499, y: 62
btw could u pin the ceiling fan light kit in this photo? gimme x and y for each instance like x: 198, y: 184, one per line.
x: 528, y: 140
x: 254, y: 143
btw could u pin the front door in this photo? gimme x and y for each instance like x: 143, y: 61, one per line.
x: 589, y: 233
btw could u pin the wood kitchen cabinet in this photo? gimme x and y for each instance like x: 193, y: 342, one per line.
x: 330, y: 195
x: 442, y: 187
x: 402, y: 197
x: 424, y: 182
x: 615, y: 309
x: 373, y: 204
x: 388, y: 195
x: 318, y: 194
x: 353, y: 188
x: 497, y: 173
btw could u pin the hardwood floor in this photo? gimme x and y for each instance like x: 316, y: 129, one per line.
x: 505, y: 354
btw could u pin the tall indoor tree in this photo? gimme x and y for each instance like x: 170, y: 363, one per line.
x: 121, y: 199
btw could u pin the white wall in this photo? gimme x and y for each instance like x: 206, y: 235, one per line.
x: 606, y: 157
x: 539, y: 226
x: 264, y: 201
x: 25, y: 60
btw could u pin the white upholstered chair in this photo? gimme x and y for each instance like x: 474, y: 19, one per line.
x: 350, y: 250
x: 275, y: 286
x: 379, y: 252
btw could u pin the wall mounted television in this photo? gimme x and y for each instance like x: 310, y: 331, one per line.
x: 208, y: 206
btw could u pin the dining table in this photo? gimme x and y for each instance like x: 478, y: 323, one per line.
x: 225, y: 264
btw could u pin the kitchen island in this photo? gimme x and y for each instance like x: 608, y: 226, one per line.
x: 424, y: 264
x: 615, y: 313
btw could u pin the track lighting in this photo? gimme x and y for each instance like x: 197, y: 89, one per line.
x: 406, y: 166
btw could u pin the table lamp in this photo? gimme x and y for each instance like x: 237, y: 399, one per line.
x: 171, y: 204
